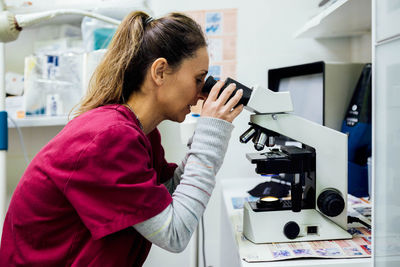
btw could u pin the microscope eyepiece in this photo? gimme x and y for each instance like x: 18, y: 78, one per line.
x: 210, y: 82
x: 208, y: 85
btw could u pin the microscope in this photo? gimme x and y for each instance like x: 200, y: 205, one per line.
x: 317, y: 166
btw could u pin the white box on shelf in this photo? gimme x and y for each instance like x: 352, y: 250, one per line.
x: 45, y: 75
x: 14, y: 107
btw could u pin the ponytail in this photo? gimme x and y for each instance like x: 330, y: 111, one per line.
x: 138, y: 41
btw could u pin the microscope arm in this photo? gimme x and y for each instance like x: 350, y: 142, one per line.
x: 263, y: 100
x: 330, y: 148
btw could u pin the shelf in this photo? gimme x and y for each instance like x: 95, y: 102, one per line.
x: 22, y: 7
x: 40, y: 121
x: 344, y: 18
x: 103, y: 7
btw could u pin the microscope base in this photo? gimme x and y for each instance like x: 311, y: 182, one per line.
x: 269, y: 226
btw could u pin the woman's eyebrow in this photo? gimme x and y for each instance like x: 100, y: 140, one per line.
x: 204, y: 72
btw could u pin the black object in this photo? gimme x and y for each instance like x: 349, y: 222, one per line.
x: 210, y: 82
x: 357, y: 126
x: 290, y: 159
x: 351, y: 219
x: 297, y: 193
x: 276, y: 75
x: 330, y: 203
x: 270, y: 189
x: 271, y: 204
x: 307, y: 102
x: 291, y: 230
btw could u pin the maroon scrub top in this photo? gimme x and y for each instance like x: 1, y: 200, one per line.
x: 80, y: 195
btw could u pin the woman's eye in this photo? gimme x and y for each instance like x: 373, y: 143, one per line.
x: 199, y: 82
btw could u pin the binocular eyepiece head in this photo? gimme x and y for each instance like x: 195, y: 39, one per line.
x: 208, y: 85
x: 211, y: 81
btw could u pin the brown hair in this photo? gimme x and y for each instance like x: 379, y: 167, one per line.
x: 138, y: 41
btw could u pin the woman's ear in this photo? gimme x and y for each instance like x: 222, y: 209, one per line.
x: 158, y: 70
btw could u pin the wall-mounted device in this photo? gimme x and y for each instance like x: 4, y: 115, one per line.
x: 320, y: 91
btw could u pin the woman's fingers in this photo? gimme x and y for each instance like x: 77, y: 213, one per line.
x: 223, y: 98
x: 230, y: 110
x: 219, y: 106
x: 235, y: 99
x: 235, y: 112
x: 213, y: 95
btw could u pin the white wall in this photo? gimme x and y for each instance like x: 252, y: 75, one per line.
x: 265, y: 30
x: 34, y: 139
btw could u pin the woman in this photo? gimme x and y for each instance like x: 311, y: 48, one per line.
x: 100, y: 193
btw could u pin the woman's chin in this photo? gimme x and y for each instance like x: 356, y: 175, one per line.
x: 181, y: 118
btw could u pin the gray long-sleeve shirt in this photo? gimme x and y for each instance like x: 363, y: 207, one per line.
x: 191, y: 187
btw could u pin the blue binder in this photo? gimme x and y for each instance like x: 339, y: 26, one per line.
x: 357, y: 125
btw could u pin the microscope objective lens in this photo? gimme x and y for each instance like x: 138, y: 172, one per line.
x: 246, y: 136
x: 260, y: 141
x: 271, y: 141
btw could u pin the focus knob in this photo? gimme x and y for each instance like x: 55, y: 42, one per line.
x: 330, y: 203
x: 291, y: 230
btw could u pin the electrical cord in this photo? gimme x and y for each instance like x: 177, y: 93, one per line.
x: 21, y: 140
x: 202, y: 241
x: 352, y: 219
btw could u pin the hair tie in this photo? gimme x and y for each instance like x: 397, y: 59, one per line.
x: 148, y: 20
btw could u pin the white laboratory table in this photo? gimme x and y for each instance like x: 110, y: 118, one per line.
x: 238, y: 187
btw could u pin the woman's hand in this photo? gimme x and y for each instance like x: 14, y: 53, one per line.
x: 218, y: 107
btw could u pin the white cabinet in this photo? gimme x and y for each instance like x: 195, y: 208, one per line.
x: 386, y: 132
x: 387, y: 147
x: 343, y: 18
x: 387, y: 19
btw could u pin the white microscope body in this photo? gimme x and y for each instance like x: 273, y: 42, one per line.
x: 324, y: 217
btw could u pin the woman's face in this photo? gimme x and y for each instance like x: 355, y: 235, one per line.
x: 182, y: 87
